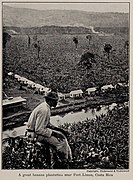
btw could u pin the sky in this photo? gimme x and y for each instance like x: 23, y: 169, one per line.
x: 95, y: 7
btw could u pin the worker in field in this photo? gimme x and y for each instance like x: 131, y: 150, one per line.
x: 39, y: 124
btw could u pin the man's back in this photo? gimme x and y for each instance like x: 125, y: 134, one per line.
x: 39, y: 119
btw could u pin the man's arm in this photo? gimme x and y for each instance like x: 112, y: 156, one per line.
x: 58, y: 135
x: 51, y: 126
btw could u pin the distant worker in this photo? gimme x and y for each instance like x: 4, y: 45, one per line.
x: 39, y: 124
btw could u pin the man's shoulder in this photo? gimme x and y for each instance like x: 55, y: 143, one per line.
x: 44, y: 107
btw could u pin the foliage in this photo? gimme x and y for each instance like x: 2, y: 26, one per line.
x: 89, y: 37
x: 6, y: 38
x: 75, y: 40
x: 87, y: 59
x: 107, y: 49
x: 58, y: 60
x: 102, y: 142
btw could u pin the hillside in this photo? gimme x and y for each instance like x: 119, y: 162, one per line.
x: 21, y: 17
x: 12, y: 30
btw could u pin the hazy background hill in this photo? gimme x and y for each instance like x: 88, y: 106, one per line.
x: 21, y: 17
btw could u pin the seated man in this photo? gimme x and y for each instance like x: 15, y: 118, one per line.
x: 39, y: 123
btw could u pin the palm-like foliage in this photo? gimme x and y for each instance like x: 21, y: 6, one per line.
x: 107, y: 49
x: 75, y: 40
x: 89, y: 37
x: 6, y: 38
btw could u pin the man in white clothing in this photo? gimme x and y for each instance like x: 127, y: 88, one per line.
x: 39, y: 123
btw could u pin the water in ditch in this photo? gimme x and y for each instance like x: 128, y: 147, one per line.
x: 71, y: 117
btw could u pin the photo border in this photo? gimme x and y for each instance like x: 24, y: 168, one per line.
x: 14, y: 174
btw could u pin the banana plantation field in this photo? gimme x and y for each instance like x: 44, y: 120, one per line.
x: 55, y: 61
x: 65, y: 63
